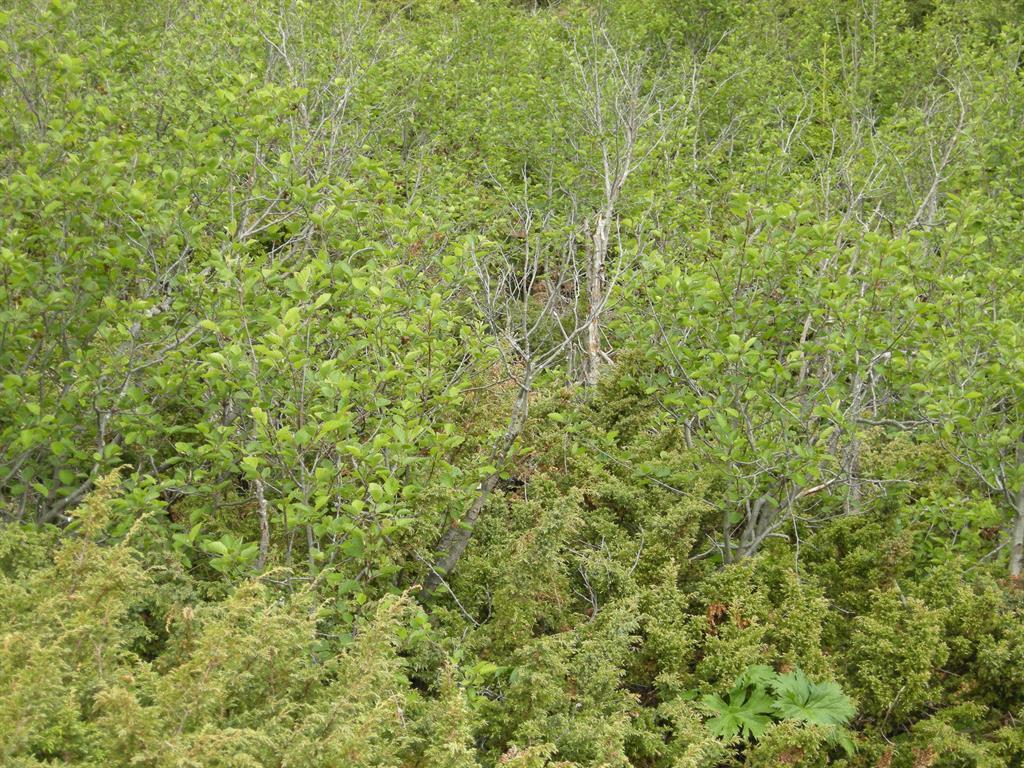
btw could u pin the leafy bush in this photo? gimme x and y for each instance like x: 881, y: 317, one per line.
x: 497, y: 383
x: 762, y: 696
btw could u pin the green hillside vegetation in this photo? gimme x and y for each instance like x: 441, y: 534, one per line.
x: 496, y: 383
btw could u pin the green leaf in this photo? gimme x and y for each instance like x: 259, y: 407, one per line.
x: 760, y: 675
x: 797, y: 698
x: 216, y: 547
x: 744, y: 713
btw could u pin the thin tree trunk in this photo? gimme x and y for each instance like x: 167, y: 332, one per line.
x: 726, y: 543
x: 1017, y: 539
x: 761, y: 521
x: 261, y: 510
x: 455, y: 540
x: 598, y: 248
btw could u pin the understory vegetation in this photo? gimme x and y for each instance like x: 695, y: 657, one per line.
x: 479, y: 383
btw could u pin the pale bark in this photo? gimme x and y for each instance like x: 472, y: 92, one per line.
x: 261, y: 510
x: 596, y: 259
x: 1017, y: 538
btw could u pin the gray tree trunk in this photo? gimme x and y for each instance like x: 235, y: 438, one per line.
x: 597, y: 257
x: 455, y: 540
x: 1017, y: 538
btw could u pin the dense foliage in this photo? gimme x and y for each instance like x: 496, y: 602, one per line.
x: 472, y: 383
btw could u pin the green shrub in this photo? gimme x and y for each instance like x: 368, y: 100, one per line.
x: 895, y: 657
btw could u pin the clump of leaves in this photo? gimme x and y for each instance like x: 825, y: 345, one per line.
x: 745, y: 711
x: 761, y: 696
